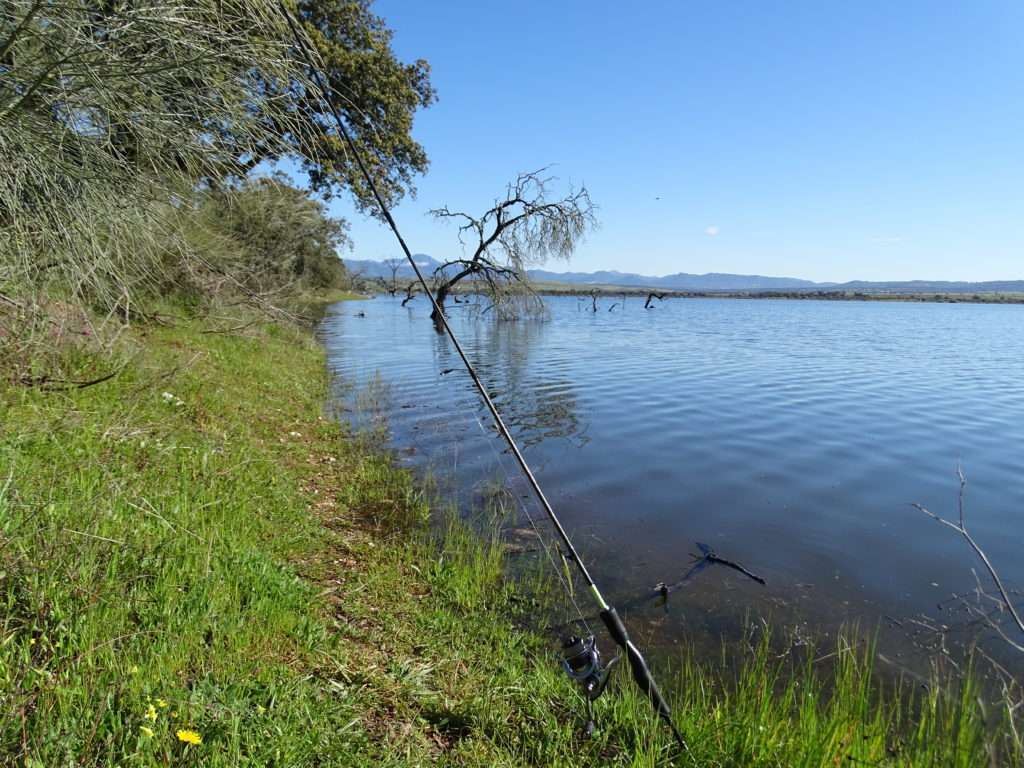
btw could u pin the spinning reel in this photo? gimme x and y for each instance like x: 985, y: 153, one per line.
x: 581, y: 660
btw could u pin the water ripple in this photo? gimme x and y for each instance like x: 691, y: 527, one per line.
x: 792, y: 434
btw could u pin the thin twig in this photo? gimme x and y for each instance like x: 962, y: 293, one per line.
x: 961, y: 528
x: 47, y: 384
x: 233, y: 329
x: 94, y: 536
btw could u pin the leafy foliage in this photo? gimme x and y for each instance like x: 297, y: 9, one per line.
x: 112, y: 115
x: 375, y: 93
x: 277, y: 236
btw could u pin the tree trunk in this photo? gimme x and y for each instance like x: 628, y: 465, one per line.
x: 442, y: 296
x: 444, y: 289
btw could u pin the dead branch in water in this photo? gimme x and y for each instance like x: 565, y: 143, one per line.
x: 713, y: 558
x: 410, y: 293
x: 699, y: 562
x: 961, y: 528
x: 658, y: 296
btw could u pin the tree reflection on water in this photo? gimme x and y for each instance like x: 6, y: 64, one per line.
x: 535, y: 409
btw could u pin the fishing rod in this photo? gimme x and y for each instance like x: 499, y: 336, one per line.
x: 582, y: 660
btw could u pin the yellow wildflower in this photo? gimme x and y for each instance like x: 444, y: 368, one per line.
x: 161, y: 703
x: 189, y: 737
x: 151, y: 713
x: 147, y: 731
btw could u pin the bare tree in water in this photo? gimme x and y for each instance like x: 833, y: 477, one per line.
x: 524, y: 229
x: 394, y: 265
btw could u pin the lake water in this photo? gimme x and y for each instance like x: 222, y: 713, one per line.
x: 789, y: 436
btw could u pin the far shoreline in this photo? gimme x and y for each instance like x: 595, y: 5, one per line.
x: 620, y: 292
x: 611, y: 291
x: 930, y: 298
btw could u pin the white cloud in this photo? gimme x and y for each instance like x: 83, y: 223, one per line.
x: 711, y: 231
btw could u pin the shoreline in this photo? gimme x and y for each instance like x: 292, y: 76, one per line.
x: 619, y: 292
x: 931, y: 298
x: 194, y: 544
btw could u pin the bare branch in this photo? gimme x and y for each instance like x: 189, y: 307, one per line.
x: 961, y: 528
x: 525, y: 228
x: 394, y: 265
x: 658, y: 296
x: 410, y: 293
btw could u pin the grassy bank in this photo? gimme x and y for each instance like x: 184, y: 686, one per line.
x: 191, y: 551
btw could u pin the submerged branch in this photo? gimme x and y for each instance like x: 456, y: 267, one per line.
x: 700, y: 562
x: 713, y: 558
x: 658, y: 296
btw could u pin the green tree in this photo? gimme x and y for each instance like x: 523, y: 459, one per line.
x: 376, y: 94
x: 110, y: 114
x: 277, y: 237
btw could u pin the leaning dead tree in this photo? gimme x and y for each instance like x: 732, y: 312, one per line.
x: 524, y: 229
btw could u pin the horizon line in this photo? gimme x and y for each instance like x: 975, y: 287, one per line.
x: 740, y: 274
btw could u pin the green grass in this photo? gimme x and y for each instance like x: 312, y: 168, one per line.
x: 223, y: 558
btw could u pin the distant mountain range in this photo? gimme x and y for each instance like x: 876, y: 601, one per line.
x: 681, y: 281
x: 370, y: 268
x: 713, y: 281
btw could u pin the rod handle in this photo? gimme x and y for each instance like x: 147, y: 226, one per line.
x: 641, y: 672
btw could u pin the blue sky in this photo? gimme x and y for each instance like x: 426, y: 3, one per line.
x: 823, y: 140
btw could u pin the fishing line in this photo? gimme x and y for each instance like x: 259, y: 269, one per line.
x: 613, y: 623
x: 499, y: 422
x: 569, y: 591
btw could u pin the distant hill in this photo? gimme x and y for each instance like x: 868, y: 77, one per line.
x: 681, y: 281
x: 370, y: 268
x: 712, y: 281
x: 931, y: 286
